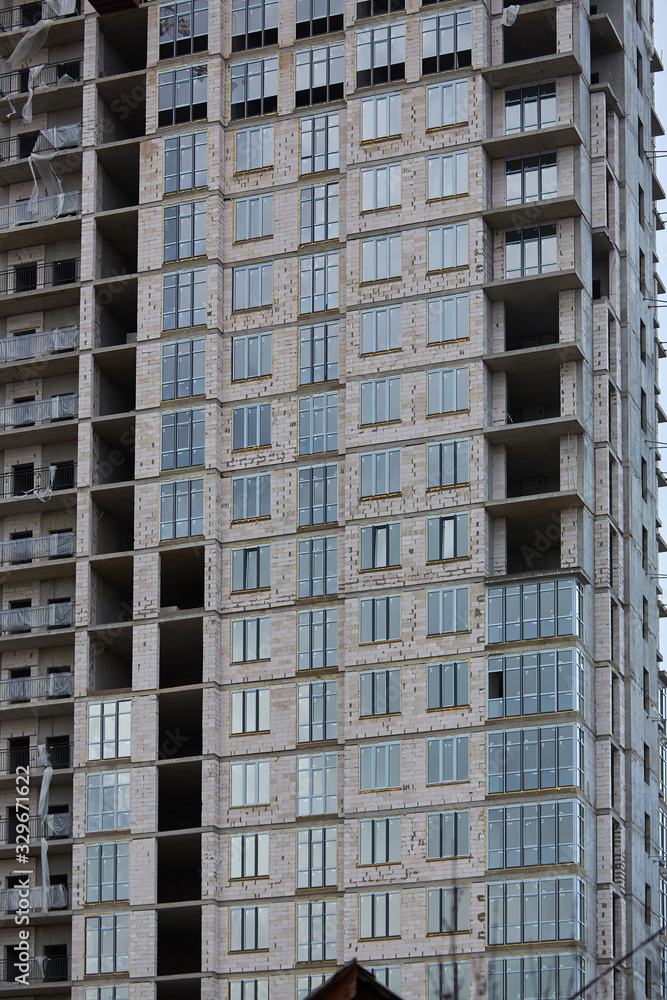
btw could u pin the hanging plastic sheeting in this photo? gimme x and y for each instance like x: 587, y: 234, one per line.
x: 57, y: 824
x: 63, y: 136
x: 34, y: 40
x: 43, y: 759
x: 51, y: 181
x: 33, y: 76
x: 46, y: 879
x: 509, y: 15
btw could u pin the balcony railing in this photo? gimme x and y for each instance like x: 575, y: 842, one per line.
x: 50, y: 75
x: 24, y: 480
x: 19, y: 147
x: 41, y: 210
x: 17, y: 620
x: 31, y: 277
x: 19, y: 689
x: 16, y: 551
x: 27, y: 14
x: 44, y: 968
x: 37, y: 345
x: 58, y: 755
x: 37, y: 411
x: 39, y: 897
x: 56, y: 826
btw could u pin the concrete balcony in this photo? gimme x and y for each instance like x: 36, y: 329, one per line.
x: 38, y: 355
x: 26, y: 15
x: 37, y: 285
x: 45, y: 616
x: 22, y: 689
x: 38, y: 411
x: 40, y: 899
x: 19, y: 551
x: 57, y: 756
x: 43, y: 970
x: 56, y: 826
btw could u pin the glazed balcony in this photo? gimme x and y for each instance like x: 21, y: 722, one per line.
x: 21, y: 689
x: 46, y: 616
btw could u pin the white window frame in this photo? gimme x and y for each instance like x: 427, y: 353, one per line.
x: 447, y: 175
x: 320, y: 143
x: 380, y: 763
x: 112, y: 791
x: 379, y: 473
x: 381, y: 117
x: 381, y: 330
x: 253, y: 148
x: 316, y: 857
x: 448, y: 685
x: 380, y: 400
x: 447, y: 759
x: 109, y: 731
x: 188, y: 291
x: 318, y: 423
x: 252, y: 286
x: 441, y: 901
x: 448, y: 318
x: 448, y: 610
x: 254, y: 634
x: 185, y: 147
x: 250, y: 711
x: 381, y: 258
x: 377, y: 618
x: 447, y: 390
x: 318, y: 353
x: 380, y: 187
x: 314, y: 648
x: 253, y: 217
x: 250, y: 783
x: 252, y: 356
x: 447, y: 104
x: 107, y: 872
x: 447, y: 247
x: 448, y: 537
x: 107, y: 944
x: 248, y: 928
x: 317, y: 784
x: 316, y: 930
x: 448, y: 834
x: 379, y: 841
x: 379, y: 915
x: 455, y: 454
x: 240, y: 490
x: 248, y: 855
x: 319, y: 282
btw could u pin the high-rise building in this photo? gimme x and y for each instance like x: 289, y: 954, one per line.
x: 329, y: 457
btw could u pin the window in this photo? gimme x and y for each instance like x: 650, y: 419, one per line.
x: 380, y: 400
x: 318, y: 282
x: 318, y: 353
x: 317, y: 566
x: 318, y: 216
x: 183, y: 28
x: 107, y: 944
x: 248, y: 928
x: 185, y: 226
x: 381, y: 258
x: 448, y: 979
x: 380, y: 692
x: 182, y: 95
x: 447, y: 246
x: 380, y: 473
x: 447, y: 175
x: 183, y: 433
x: 319, y: 74
x: 318, y: 423
x: 380, y: 117
x: 251, y: 426
x: 561, y: 976
x: 107, y: 801
x: 305, y: 985
x: 318, y: 495
x: 531, y: 178
x: 448, y: 318
x: 254, y: 88
x: 380, y: 55
x: 316, y: 930
x: 530, y: 108
x: 547, y: 909
x: 380, y: 187
x: 313, y: 18
x: 249, y: 855
x: 106, y: 992
x: 447, y: 610
x: 447, y: 104
x: 109, y: 729
x: 534, y: 610
x: 448, y: 909
x: 250, y: 783
x: 251, y: 639
x: 545, y: 681
x: 542, y: 833
x: 379, y: 766
x: 379, y: 914
x: 248, y: 989
x: 447, y: 464
x: 388, y: 975
x: 250, y: 711
x: 379, y: 841
x: 447, y: 537
x: 254, y: 24
x: 251, y: 568
x: 521, y: 760
x: 254, y: 148
x: 448, y: 835
x: 446, y: 42
x: 316, y: 857
x: 252, y: 286
x: 448, y: 684
x: 253, y: 217
x: 317, y: 711
x: 252, y: 356
x: 317, y: 639
x: 107, y: 872
x: 185, y: 161
x: 531, y: 251
x: 317, y: 784
x: 251, y: 497
x: 380, y: 545
x: 447, y: 759
x: 184, y: 299
x: 320, y: 143
x: 381, y: 329
x: 184, y: 368
x: 379, y: 619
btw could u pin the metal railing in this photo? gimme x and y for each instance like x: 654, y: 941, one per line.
x: 26, y: 14
x: 37, y: 411
x: 31, y: 277
x: 16, y: 620
x: 36, y: 345
x: 39, y: 897
x: 50, y: 75
x: 19, y: 147
x: 18, y: 689
x: 17, y: 551
x: 56, y: 826
x: 46, y: 969
x: 24, y: 479
x: 20, y: 213
x: 58, y: 755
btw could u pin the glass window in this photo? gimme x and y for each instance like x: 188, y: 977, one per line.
x: 448, y: 834
x: 531, y: 251
x: 540, y: 757
x: 447, y: 464
x: 319, y: 75
x: 381, y: 258
x: 254, y: 148
x: 448, y: 684
x: 317, y: 566
x: 251, y: 426
x: 248, y: 928
x: 549, y: 680
x: 447, y: 390
x: 254, y: 24
x: 317, y: 711
x: 249, y: 855
x: 109, y: 729
x: 320, y: 143
x: 541, y: 833
x: 556, y: 976
x: 448, y: 318
x: 316, y: 18
x: 251, y: 568
x: 253, y: 217
x: 531, y: 178
x: 106, y: 992
x: 388, y: 975
x: 447, y: 610
x: 379, y: 619
x: 446, y: 42
x: 380, y: 187
x: 380, y: 545
x: 534, y: 610
x: 107, y: 872
x: 318, y: 353
x: 252, y: 286
x: 381, y: 329
x: 318, y: 495
x: 379, y: 841
x: 380, y: 400
x: 317, y: 639
x: 380, y: 692
x: 318, y: 215
x: 447, y: 175
x: 316, y: 857
x: 379, y: 914
x: 182, y: 95
x: 379, y: 766
x: 250, y: 783
x: 248, y: 989
x: 184, y: 299
x: 305, y: 985
x: 107, y: 801
x: 251, y: 639
x: 250, y: 711
x: 530, y: 107
x: 184, y: 368
x: 547, y: 909
x: 380, y: 55
x: 447, y: 537
x: 448, y: 979
x: 380, y: 473
x: 318, y: 423
x: 380, y: 117
x: 316, y: 930
x: 185, y: 225
x: 447, y: 759
x: 107, y: 944
x: 447, y: 909
x: 447, y: 104
x: 185, y: 161
x: 447, y: 246
x: 252, y: 356
x: 318, y: 282
x: 183, y: 433
x: 251, y: 497
x: 183, y: 28
x: 254, y: 88
x: 317, y: 784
